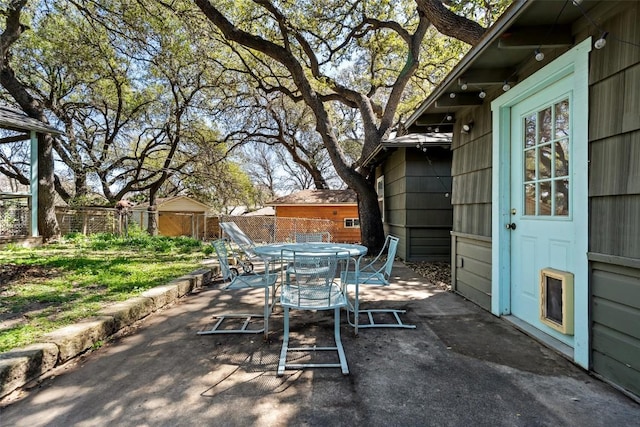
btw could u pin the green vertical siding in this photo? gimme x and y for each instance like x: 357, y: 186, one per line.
x: 616, y: 324
x: 471, y: 259
x: 417, y: 202
x: 471, y: 173
x: 614, y: 198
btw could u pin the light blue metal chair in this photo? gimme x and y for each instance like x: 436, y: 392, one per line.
x: 375, y: 273
x: 243, y: 242
x: 311, y: 285
x: 237, y: 281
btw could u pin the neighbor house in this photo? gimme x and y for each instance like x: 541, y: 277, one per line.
x: 177, y: 216
x: 545, y: 116
x: 338, y: 206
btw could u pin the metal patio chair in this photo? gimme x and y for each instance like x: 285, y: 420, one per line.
x: 243, y: 242
x: 311, y: 285
x: 375, y: 273
x: 237, y: 281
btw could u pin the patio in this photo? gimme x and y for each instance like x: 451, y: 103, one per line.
x: 461, y: 366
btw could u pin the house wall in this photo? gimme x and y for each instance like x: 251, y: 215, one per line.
x: 395, y: 219
x: 181, y: 223
x: 614, y: 195
x: 336, y: 214
x: 417, y: 202
x: 471, y: 268
x: 471, y: 171
x: 179, y: 217
x: 428, y: 204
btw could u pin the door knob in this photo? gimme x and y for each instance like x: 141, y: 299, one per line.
x: 511, y: 226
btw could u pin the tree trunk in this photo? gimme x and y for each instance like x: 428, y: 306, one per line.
x: 152, y: 220
x: 47, y: 221
x: 152, y: 217
x: 371, y: 228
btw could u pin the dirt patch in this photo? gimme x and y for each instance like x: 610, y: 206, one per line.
x: 12, y: 275
x: 436, y: 273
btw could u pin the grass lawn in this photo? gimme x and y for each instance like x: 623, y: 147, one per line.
x: 42, y: 289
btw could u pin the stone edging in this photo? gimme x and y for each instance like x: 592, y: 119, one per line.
x: 24, y: 364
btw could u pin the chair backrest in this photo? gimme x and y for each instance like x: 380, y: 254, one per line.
x: 380, y: 274
x: 311, y: 282
x: 392, y: 248
x: 239, y: 237
x: 220, y: 247
x: 322, y: 236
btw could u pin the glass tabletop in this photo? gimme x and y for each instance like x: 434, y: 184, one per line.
x: 274, y: 250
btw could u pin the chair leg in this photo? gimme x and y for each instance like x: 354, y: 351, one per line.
x: 282, y: 363
x: 397, y: 323
x: 355, y: 309
x: 267, y: 312
x: 248, y: 317
x: 285, y: 344
x: 243, y: 328
x: 339, y: 348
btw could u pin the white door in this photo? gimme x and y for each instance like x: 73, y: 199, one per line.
x: 542, y: 228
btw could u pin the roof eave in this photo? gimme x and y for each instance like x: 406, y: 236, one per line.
x: 491, y: 35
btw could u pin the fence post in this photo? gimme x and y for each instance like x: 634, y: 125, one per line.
x: 85, y: 220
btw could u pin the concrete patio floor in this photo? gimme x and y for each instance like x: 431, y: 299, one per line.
x: 461, y: 366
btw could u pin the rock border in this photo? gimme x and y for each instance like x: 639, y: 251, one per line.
x: 21, y: 365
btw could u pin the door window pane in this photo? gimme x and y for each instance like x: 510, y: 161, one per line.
x: 544, y: 162
x: 561, y: 197
x: 544, y: 123
x: 544, y: 198
x: 530, y: 165
x: 530, y: 199
x: 530, y: 131
x: 562, y: 119
x: 546, y: 153
x: 562, y: 158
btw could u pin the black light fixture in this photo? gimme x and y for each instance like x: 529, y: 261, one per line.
x: 466, y: 128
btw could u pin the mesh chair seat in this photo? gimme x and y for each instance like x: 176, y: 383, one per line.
x: 313, y: 298
x: 237, y: 281
x: 310, y: 285
x: 375, y: 273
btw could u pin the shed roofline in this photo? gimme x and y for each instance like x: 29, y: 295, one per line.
x: 16, y: 120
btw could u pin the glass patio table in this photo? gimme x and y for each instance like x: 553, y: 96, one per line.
x: 274, y: 251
